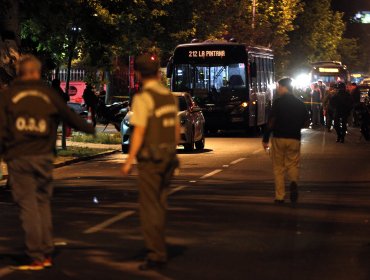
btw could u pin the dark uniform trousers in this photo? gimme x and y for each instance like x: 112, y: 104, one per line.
x: 340, y: 124
x: 154, y: 182
x: 32, y: 190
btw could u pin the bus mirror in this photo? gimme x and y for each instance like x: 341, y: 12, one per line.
x: 253, y: 69
x: 169, y: 68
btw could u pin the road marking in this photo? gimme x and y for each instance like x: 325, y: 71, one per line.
x: 61, y: 243
x: 6, y: 203
x: 5, y: 271
x: 211, y: 174
x: 257, y: 151
x: 109, y: 222
x: 237, y: 161
x: 177, y: 189
x: 192, y: 181
x: 225, y: 166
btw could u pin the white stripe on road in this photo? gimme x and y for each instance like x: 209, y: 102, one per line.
x: 122, y: 216
x: 6, y: 203
x: 127, y: 214
x: 237, y: 161
x: 177, y: 189
x: 211, y: 174
x: 257, y: 151
x: 5, y: 271
x: 109, y: 222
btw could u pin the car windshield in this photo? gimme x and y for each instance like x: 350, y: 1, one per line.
x: 182, y: 103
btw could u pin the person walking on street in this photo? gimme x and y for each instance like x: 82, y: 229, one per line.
x: 328, y: 108
x: 91, y: 101
x: 316, y: 105
x: 356, y: 97
x: 342, y: 103
x: 153, y: 143
x: 29, y: 116
x: 323, y: 93
x: 288, y: 116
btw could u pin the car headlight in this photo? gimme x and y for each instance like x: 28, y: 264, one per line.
x: 126, y: 122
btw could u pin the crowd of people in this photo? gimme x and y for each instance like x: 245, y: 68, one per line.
x: 335, y: 106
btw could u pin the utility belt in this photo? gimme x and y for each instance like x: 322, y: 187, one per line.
x: 157, y: 153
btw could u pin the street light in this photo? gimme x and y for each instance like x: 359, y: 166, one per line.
x: 75, y: 30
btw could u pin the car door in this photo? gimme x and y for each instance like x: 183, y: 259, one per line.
x: 197, y: 119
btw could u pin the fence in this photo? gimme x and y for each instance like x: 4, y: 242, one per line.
x: 76, y: 75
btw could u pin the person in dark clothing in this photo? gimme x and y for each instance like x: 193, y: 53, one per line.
x: 153, y: 143
x: 328, y: 108
x: 55, y: 84
x: 342, y: 103
x: 316, y: 105
x: 356, y: 97
x: 323, y: 93
x: 29, y: 116
x: 288, y: 116
x: 91, y: 101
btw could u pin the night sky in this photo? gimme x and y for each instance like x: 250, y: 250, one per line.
x: 351, y: 7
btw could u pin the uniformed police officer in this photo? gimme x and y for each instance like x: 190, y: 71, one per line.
x: 29, y: 117
x: 153, y: 143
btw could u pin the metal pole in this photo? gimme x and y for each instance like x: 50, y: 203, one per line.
x: 254, y: 4
x: 69, y: 66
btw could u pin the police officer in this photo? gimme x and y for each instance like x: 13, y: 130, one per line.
x: 29, y: 116
x: 153, y: 143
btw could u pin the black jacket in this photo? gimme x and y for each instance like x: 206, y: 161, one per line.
x: 288, y: 116
x: 342, y: 102
x: 29, y: 116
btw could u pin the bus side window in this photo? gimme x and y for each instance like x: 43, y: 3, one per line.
x: 253, y: 69
x: 259, y: 74
x: 264, y: 74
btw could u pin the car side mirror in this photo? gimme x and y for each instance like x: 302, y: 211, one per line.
x: 169, y: 68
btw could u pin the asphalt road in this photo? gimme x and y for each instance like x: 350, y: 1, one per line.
x: 222, y: 220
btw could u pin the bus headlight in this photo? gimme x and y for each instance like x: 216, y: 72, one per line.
x: 244, y: 104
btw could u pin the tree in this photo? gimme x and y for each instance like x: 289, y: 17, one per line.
x: 9, y: 40
x: 318, y: 36
x: 273, y: 22
x: 349, y: 52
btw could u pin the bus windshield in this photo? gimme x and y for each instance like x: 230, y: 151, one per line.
x: 329, y: 79
x: 210, y: 81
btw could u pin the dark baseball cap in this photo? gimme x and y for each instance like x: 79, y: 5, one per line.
x: 147, y: 64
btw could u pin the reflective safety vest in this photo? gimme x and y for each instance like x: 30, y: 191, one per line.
x: 160, y: 135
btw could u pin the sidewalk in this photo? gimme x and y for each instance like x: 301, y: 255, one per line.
x: 66, y: 160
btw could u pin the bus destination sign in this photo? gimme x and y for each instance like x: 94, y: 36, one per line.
x: 207, y: 53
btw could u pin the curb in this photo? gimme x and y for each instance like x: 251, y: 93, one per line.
x: 77, y: 160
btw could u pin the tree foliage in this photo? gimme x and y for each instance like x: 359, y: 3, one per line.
x: 9, y: 41
x: 319, y: 34
x: 298, y: 31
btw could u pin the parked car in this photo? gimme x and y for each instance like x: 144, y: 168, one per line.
x: 364, y: 89
x: 191, y: 120
x: 78, y: 108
